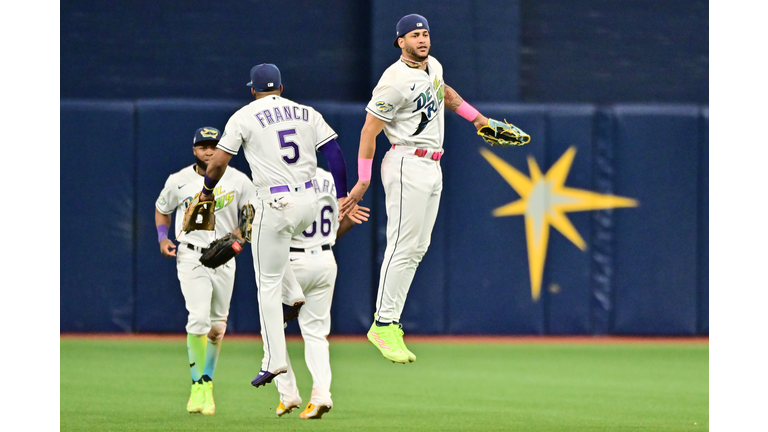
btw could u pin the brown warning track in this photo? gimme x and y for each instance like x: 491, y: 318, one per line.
x: 463, y: 339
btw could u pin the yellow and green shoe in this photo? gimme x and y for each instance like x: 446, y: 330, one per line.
x: 208, y: 406
x: 196, y: 398
x: 386, y: 340
x: 399, y: 335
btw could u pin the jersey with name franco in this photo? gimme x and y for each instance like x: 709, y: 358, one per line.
x: 323, y: 229
x: 410, y: 101
x: 233, y: 191
x: 280, y: 139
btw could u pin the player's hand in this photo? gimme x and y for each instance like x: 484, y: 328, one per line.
x: 206, y: 197
x: 167, y: 248
x: 480, y: 121
x: 359, y: 214
x: 354, y: 197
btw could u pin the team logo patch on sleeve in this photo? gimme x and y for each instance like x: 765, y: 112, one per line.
x: 384, y: 107
x: 161, y: 201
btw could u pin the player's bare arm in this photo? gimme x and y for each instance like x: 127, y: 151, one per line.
x: 371, y: 129
x: 167, y: 248
x: 216, y: 167
x: 454, y: 103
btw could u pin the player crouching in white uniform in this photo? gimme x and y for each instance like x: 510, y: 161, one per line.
x: 314, y: 265
x: 207, y: 292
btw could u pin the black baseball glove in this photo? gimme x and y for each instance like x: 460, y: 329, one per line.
x: 221, y: 250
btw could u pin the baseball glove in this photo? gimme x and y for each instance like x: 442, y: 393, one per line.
x: 221, y: 250
x: 504, y: 134
x: 199, y: 215
x: 245, y: 221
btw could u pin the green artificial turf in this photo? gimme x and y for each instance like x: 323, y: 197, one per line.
x: 133, y: 385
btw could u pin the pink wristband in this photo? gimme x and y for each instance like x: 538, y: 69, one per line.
x: 467, y: 111
x: 364, y: 169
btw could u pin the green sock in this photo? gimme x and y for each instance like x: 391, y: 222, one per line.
x: 211, y: 357
x: 196, y: 351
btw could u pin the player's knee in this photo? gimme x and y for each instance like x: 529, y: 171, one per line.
x: 315, y: 339
x: 198, y: 325
x: 218, y: 329
x: 418, y: 254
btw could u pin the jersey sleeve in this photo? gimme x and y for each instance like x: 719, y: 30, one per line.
x: 385, y: 102
x: 234, y: 135
x: 323, y: 131
x: 167, y: 201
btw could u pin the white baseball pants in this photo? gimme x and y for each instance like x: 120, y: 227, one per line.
x: 278, y: 218
x: 315, y: 271
x: 413, y: 186
x: 207, y: 292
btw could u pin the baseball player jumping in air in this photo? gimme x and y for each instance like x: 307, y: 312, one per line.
x: 207, y: 292
x: 407, y: 104
x: 280, y: 139
x: 314, y: 265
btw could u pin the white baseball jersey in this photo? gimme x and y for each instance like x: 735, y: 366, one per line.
x: 323, y: 229
x: 410, y: 101
x: 233, y: 191
x: 277, y: 133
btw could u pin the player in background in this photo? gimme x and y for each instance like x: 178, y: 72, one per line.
x: 314, y: 265
x: 207, y: 292
x: 280, y: 139
x: 408, y: 105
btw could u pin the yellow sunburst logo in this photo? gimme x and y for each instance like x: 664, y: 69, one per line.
x: 544, y: 201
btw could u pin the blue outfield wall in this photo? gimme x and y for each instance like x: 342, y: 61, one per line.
x: 630, y: 270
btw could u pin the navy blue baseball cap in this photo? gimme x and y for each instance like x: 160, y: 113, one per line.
x: 265, y: 77
x: 408, y: 24
x: 206, y: 134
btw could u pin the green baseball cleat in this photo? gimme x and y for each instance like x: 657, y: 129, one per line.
x: 208, y: 406
x: 386, y: 340
x: 399, y: 335
x: 196, y: 398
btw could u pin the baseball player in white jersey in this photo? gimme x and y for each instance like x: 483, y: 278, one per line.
x: 280, y: 139
x: 408, y: 105
x: 314, y: 265
x: 207, y: 292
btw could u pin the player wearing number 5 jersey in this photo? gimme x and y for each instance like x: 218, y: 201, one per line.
x: 408, y: 104
x: 280, y: 139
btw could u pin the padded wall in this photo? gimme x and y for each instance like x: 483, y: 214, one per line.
x: 487, y: 279
x: 657, y: 163
x: 644, y: 270
x: 97, y: 247
x: 703, y: 225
